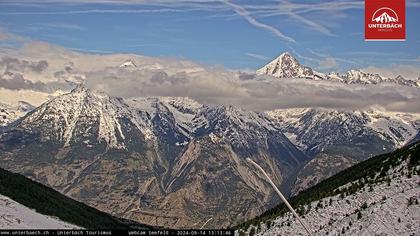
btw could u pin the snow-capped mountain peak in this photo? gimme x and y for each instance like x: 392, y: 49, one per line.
x: 285, y: 66
x: 128, y: 64
x: 66, y: 116
x: 25, y: 106
x: 285, y: 57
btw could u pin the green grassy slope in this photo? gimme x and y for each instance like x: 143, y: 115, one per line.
x: 50, y: 202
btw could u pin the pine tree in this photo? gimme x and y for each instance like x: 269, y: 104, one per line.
x: 364, y: 205
x: 359, y: 215
x: 252, y: 232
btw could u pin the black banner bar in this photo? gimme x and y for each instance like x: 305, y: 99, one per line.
x: 117, y: 232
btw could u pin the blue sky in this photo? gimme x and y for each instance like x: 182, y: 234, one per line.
x: 327, y: 35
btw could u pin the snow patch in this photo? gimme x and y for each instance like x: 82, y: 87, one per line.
x: 14, y: 215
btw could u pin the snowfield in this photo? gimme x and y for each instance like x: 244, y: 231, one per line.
x: 14, y: 215
x: 319, y: 128
x: 385, y: 209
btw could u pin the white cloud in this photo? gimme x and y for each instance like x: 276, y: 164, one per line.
x: 7, y: 36
x: 96, y: 11
x: 257, y: 56
x: 208, y: 85
x: 297, y: 11
x: 328, y: 63
x: 219, y: 87
x: 308, y: 14
x: 44, y: 25
x: 91, y: 50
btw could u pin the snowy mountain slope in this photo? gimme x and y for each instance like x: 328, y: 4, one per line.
x: 16, y: 103
x: 338, y: 139
x: 315, y: 129
x: 401, y: 128
x: 128, y: 64
x: 381, y: 200
x: 183, y: 111
x: 132, y: 157
x: 388, y: 212
x: 14, y: 215
x: 9, y: 113
x: 70, y: 118
x: 286, y: 66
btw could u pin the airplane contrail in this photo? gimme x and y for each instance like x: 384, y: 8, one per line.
x: 280, y: 195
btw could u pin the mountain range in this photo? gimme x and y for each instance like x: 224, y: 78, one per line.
x: 336, y: 139
x: 160, y: 160
x: 177, y: 163
x: 163, y: 161
x: 286, y: 66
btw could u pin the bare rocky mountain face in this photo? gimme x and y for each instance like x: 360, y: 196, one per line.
x: 286, y: 66
x: 162, y: 161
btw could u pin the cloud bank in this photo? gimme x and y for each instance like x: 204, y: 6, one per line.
x: 54, y: 67
x: 217, y: 87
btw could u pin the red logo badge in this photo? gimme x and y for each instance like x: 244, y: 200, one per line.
x: 385, y: 20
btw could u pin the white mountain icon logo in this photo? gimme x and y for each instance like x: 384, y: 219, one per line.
x: 385, y: 15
